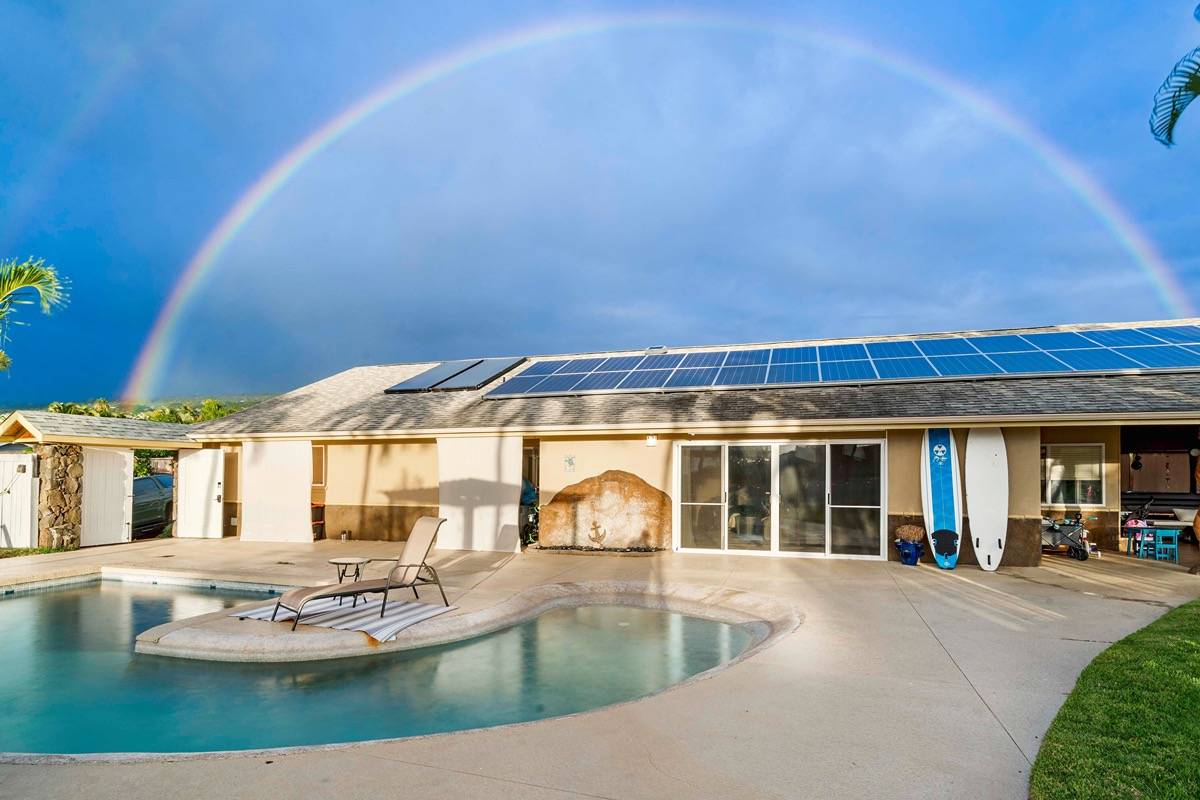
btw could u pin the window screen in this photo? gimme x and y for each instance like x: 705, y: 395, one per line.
x: 1073, y: 474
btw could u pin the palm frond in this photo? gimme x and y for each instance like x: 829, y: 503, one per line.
x: 19, y: 280
x: 1177, y: 91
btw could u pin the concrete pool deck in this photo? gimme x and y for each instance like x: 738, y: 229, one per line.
x: 901, y: 682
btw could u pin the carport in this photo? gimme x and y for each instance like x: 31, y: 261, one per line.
x: 76, y: 487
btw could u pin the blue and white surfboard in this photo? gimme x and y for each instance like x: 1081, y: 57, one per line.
x: 941, y: 495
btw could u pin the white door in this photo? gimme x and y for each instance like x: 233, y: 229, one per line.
x: 18, y: 500
x: 107, y: 496
x: 200, y: 486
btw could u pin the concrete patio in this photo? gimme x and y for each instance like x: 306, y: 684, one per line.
x: 900, y: 682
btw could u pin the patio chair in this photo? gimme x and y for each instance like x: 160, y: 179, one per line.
x: 1166, y: 547
x: 411, y: 571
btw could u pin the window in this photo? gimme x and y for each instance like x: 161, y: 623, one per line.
x: 318, y: 455
x: 1073, y: 474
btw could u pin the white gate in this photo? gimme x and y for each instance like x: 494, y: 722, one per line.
x: 107, y: 496
x: 199, y: 483
x: 18, y: 500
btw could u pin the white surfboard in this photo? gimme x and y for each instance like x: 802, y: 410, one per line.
x: 941, y: 495
x: 987, y: 494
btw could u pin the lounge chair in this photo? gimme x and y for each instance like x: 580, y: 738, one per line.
x: 411, y: 571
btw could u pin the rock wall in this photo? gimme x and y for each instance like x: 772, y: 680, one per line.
x: 60, y: 497
x: 614, y: 510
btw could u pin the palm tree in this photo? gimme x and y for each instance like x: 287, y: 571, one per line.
x: 23, y: 283
x: 1180, y: 88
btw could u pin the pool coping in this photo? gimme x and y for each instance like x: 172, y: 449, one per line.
x: 219, y: 636
x: 769, y: 617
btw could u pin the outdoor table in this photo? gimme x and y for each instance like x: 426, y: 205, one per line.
x: 349, y: 566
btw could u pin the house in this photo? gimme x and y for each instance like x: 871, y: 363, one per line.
x: 800, y: 448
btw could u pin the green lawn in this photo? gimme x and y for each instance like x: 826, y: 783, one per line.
x: 9, y: 552
x: 1131, y: 727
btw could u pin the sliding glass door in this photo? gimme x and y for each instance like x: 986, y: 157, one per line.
x: 804, y: 498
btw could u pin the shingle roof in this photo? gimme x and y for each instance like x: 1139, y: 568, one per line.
x: 52, y: 424
x: 354, y: 402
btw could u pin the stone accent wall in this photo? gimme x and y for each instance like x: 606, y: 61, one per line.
x: 612, y: 511
x: 1022, y: 545
x: 379, y: 523
x: 60, y: 497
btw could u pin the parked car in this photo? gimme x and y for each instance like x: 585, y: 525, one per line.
x: 152, y: 502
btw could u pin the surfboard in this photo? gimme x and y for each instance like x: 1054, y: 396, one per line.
x: 941, y: 495
x: 987, y: 494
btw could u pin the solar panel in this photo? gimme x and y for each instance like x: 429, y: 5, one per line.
x: 1121, y: 338
x: 482, y: 373
x: 559, y: 382
x: 794, y: 355
x: 904, y: 368
x: 1162, y: 356
x: 746, y: 358
x: 703, y: 360
x: 432, y: 376
x: 545, y: 367
x: 963, y: 365
x: 893, y: 350
x: 581, y: 365
x: 517, y: 385
x: 601, y: 380
x: 946, y: 347
x: 1061, y: 340
x: 1036, y: 361
x: 661, y: 361
x: 842, y: 352
x: 793, y: 373
x: 1004, y: 343
x: 692, y: 377
x: 742, y: 376
x: 1095, y: 360
x: 847, y: 371
x: 1179, y: 334
x: 620, y: 362
x: 646, y: 379
x: 951, y: 357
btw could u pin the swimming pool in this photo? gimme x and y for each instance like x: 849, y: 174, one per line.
x: 71, y: 683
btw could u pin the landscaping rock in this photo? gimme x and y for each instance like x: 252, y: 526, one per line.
x: 615, y: 510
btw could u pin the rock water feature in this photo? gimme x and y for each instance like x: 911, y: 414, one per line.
x: 615, y: 510
x: 60, y: 497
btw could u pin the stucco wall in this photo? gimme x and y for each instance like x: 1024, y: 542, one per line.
x: 479, y: 487
x: 564, y: 462
x: 377, y: 490
x: 1023, y: 446
x: 276, y: 483
x: 1103, y: 522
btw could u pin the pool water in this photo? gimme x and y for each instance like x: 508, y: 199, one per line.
x: 71, y: 683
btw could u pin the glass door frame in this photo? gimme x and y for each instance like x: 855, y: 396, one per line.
x: 774, y: 444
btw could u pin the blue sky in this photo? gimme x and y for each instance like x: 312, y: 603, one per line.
x: 636, y: 187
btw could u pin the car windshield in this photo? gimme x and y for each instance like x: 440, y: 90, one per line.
x: 167, y: 481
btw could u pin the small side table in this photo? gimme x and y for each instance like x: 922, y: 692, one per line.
x: 349, y: 567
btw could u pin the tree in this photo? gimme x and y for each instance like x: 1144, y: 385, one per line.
x: 1180, y: 88
x: 24, y: 283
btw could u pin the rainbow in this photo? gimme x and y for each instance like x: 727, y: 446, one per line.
x: 151, y: 359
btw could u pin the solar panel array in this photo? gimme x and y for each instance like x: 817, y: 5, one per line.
x: 1106, y: 350
x: 451, y: 375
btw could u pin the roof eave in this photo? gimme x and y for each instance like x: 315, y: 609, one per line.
x: 742, y: 426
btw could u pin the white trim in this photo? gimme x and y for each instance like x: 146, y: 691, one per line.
x: 1045, y: 498
x: 324, y: 464
x: 677, y: 502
